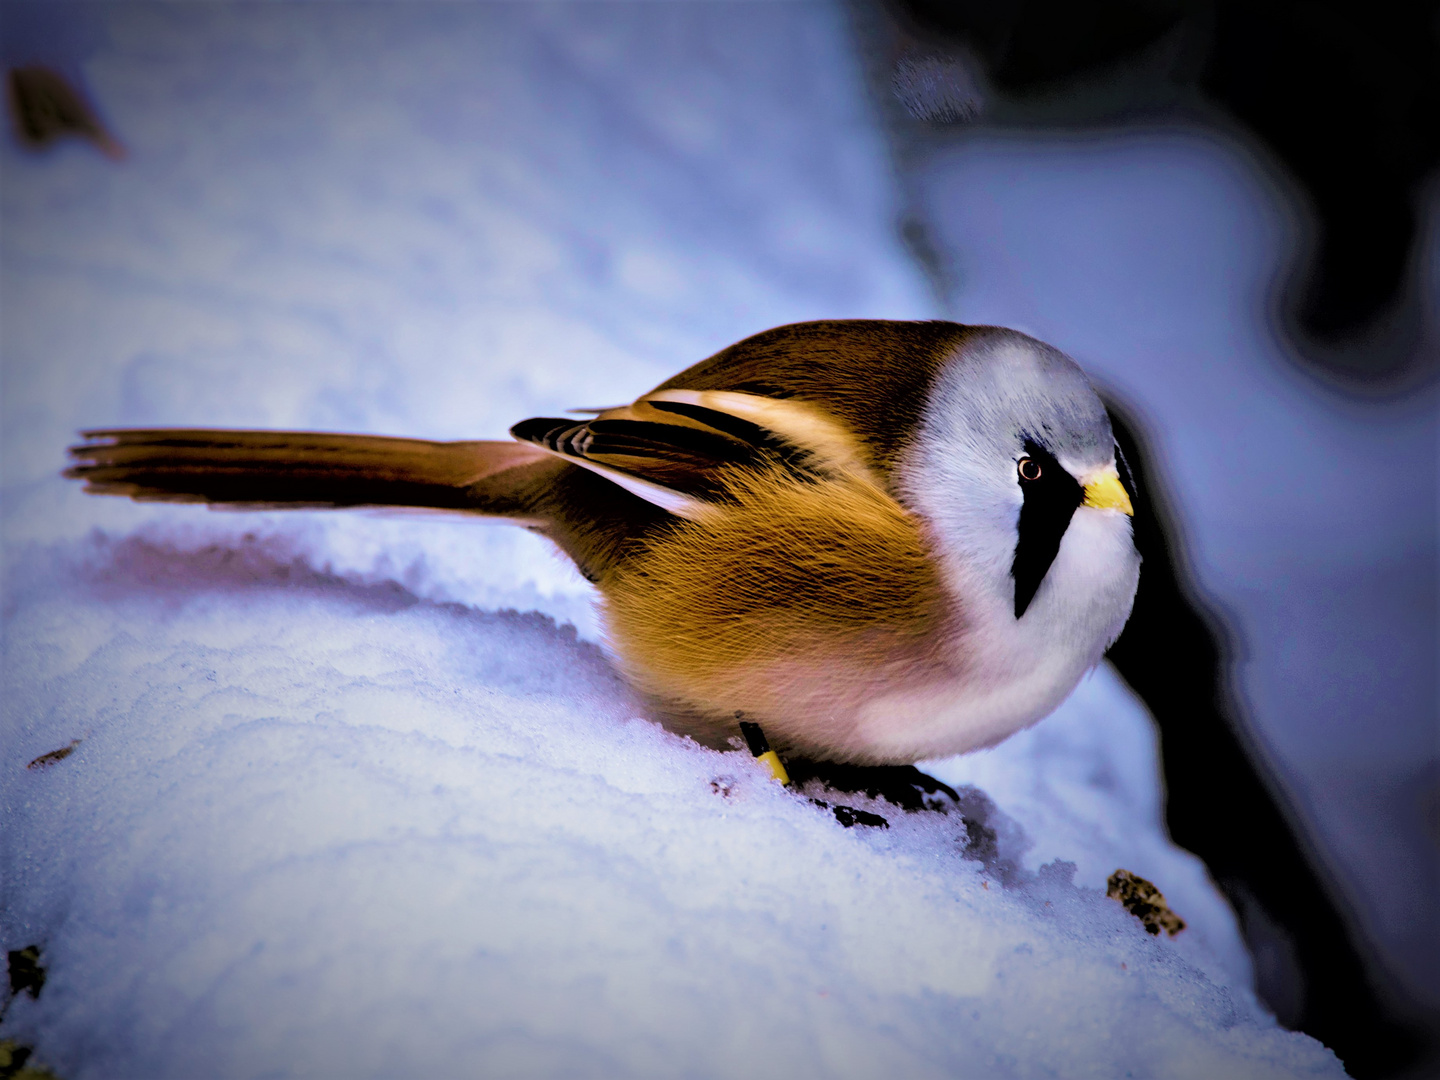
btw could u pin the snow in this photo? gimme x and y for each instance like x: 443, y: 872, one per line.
x: 321, y: 827
x: 361, y: 796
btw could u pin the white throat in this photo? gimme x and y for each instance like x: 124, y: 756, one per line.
x: 1013, y: 672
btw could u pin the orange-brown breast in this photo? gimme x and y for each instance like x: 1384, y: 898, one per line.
x: 793, y: 604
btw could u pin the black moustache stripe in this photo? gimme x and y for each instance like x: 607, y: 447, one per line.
x: 1050, y: 503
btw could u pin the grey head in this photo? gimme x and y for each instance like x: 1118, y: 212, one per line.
x: 1012, y: 434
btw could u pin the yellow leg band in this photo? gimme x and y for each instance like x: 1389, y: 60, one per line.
x: 777, y: 767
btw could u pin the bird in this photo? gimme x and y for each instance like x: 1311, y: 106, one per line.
x: 884, y: 541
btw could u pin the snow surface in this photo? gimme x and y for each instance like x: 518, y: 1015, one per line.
x: 318, y: 827
x: 353, y: 796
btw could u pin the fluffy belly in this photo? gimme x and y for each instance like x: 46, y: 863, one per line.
x: 956, y: 716
x: 854, y: 705
x: 813, y: 703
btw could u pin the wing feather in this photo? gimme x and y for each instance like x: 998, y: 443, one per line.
x: 679, y: 448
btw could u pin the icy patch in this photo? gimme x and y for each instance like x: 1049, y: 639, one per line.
x: 318, y: 826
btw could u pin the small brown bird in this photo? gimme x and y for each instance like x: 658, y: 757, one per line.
x: 884, y: 541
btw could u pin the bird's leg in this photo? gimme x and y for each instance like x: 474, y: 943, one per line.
x: 760, y: 749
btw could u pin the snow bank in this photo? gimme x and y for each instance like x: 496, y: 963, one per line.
x: 321, y: 827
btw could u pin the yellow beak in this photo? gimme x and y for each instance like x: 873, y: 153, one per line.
x: 1105, y: 492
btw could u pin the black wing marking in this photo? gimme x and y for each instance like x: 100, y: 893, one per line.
x: 685, y: 460
x: 760, y: 439
x: 683, y: 447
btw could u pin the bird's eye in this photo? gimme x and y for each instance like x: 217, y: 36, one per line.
x: 1029, y: 468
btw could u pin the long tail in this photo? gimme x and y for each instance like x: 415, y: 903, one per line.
x: 278, y: 469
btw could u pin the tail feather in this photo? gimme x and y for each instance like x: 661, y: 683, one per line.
x: 293, y: 469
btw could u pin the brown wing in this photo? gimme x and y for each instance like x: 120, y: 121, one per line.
x: 817, y: 398
x: 675, y: 448
x: 680, y: 456
x: 870, y: 376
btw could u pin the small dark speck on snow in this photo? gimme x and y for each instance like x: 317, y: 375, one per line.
x: 44, y: 761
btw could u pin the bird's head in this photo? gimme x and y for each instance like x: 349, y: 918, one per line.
x: 1016, y: 470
